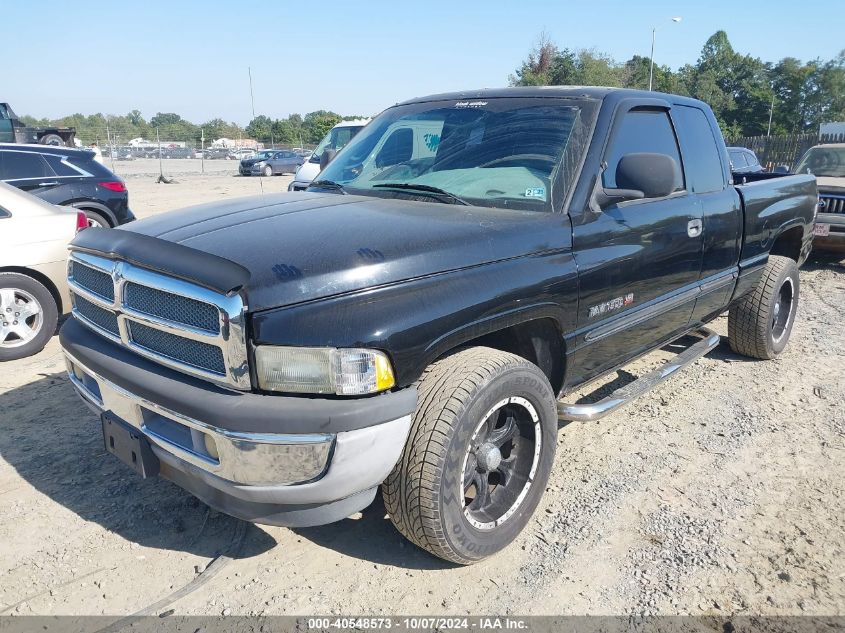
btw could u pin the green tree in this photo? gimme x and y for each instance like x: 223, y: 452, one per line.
x: 260, y: 128
x: 316, y: 125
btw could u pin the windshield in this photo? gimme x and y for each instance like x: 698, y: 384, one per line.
x: 336, y: 139
x: 263, y: 155
x: 503, y: 152
x: 823, y: 161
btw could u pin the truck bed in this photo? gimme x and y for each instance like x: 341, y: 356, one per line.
x: 774, y: 203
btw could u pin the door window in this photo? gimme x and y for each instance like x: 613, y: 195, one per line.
x: 18, y: 165
x: 398, y: 148
x: 642, y: 131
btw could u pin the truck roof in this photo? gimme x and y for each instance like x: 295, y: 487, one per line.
x: 598, y: 93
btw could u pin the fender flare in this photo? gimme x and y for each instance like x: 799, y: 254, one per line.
x: 95, y: 206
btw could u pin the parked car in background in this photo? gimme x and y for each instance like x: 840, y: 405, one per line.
x: 68, y: 177
x: 334, y: 141
x: 827, y: 164
x: 744, y: 161
x: 174, y: 152
x: 271, y: 162
x: 34, y: 236
x: 218, y: 153
x: 241, y: 154
x: 419, y: 325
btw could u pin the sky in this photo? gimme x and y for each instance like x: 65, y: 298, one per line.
x: 192, y: 57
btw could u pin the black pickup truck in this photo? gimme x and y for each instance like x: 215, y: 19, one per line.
x: 416, y: 318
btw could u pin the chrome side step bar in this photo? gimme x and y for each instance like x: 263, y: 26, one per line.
x: 624, y: 395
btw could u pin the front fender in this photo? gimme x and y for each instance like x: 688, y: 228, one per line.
x: 417, y: 321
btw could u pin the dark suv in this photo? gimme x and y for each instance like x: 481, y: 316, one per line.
x: 69, y: 177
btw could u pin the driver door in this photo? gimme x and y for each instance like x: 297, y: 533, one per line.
x: 639, y: 261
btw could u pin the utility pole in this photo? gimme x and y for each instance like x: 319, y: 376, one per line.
x: 202, y: 150
x: 160, y: 166
x: 771, y: 112
x: 251, y: 97
x: 111, y: 147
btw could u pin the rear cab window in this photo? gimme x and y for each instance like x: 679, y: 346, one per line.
x: 702, y: 157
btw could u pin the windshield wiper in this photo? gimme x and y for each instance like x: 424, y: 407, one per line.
x: 427, y: 188
x: 329, y: 184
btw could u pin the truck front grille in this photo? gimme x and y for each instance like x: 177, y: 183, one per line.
x: 172, y: 307
x: 100, y: 317
x: 194, y: 353
x: 93, y: 280
x: 831, y: 203
x: 168, y: 320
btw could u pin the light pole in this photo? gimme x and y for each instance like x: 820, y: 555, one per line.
x: 651, y: 64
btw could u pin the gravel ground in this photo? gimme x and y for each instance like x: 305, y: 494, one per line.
x: 721, y: 492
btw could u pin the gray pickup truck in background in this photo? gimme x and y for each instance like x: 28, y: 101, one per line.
x: 827, y: 164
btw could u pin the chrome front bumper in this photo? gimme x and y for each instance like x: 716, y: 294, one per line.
x: 244, y: 458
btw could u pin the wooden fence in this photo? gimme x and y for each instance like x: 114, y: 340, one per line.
x: 773, y: 151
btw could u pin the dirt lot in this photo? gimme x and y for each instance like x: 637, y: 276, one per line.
x: 720, y: 492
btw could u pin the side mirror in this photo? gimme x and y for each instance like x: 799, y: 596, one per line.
x: 326, y: 157
x: 781, y: 169
x: 641, y: 175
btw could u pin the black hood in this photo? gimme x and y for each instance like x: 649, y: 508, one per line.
x: 303, y: 246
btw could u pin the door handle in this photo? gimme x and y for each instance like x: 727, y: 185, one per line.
x: 48, y: 184
x: 694, y: 228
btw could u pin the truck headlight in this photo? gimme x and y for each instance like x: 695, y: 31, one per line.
x: 345, y: 372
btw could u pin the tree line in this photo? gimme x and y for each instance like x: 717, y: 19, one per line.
x: 120, y: 129
x: 740, y: 88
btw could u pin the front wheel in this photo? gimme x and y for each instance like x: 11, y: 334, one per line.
x: 478, y: 455
x: 268, y: 171
x: 759, y: 325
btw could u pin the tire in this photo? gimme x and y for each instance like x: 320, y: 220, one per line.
x: 96, y: 219
x: 51, y: 139
x: 759, y: 325
x: 22, y: 337
x: 268, y: 171
x: 428, y: 495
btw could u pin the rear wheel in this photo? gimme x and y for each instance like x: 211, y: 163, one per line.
x: 96, y: 219
x: 28, y: 316
x: 51, y: 139
x: 478, y: 455
x: 759, y: 325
